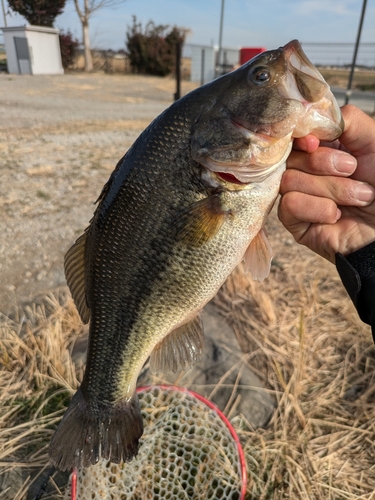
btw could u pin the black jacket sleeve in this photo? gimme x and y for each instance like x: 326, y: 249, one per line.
x: 357, y: 272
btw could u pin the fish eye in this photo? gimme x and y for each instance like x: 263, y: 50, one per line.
x: 260, y: 75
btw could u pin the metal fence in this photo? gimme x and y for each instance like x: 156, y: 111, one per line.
x: 334, y: 61
x: 341, y: 54
x: 108, y: 61
x: 200, y: 63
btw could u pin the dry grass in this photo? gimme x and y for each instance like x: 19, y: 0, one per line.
x: 304, y: 340
x: 38, y: 378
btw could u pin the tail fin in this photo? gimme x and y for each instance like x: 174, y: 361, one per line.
x: 83, y: 437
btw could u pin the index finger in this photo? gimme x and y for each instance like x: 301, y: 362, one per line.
x: 323, y: 161
x: 309, y: 143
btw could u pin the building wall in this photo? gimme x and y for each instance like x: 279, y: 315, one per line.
x: 202, y: 64
x: 206, y: 63
x: 44, y: 53
x: 10, y: 48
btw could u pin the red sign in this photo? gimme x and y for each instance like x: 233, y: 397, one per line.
x: 247, y: 53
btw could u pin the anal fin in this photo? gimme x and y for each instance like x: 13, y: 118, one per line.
x: 258, y: 256
x: 179, y: 349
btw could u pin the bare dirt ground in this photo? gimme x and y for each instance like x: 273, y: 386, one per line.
x: 60, y: 138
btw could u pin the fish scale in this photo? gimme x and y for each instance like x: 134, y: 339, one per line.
x: 170, y: 227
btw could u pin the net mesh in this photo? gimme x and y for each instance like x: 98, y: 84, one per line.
x: 186, y: 452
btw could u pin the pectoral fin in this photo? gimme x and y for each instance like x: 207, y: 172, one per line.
x: 200, y: 222
x: 181, y: 348
x: 74, y: 264
x: 258, y: 256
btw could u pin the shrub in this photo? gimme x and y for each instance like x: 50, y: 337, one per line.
x: 68, y: 46
x: 153, y: 50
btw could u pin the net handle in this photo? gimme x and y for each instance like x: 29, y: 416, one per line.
x: 73, y: 486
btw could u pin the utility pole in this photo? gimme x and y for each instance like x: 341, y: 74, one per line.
x: 349, y: 89
x: 5, y: 19
x: 178, y: 71
x: 220, y: 37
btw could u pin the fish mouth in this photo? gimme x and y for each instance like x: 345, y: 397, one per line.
x: 258, y: 162
x: 303, y: 83
x: 230, y: 178
x: 314, y: 109
x: 303, y: 104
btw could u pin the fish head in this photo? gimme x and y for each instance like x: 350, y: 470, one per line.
x: 247, y: 128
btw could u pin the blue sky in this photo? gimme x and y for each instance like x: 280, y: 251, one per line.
x: 266, y: 23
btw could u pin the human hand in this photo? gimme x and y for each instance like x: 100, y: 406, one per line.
x: 328, y: 194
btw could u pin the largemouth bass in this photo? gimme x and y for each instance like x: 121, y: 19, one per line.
x: 183, y: 207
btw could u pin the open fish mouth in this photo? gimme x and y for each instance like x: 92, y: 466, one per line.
x: 296, y: 101
x: 230, y: 178
x: 305, y: 84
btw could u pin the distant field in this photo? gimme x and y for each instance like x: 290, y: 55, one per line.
x: 363, y: 80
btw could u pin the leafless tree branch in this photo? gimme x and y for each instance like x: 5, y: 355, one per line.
x: 85, y: 11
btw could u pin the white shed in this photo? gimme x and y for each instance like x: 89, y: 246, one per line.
x: 33, y: 50
x: 202, y: 63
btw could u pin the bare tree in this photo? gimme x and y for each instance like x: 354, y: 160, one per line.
x: 85, y: 9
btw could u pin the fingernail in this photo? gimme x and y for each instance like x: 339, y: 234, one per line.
x: 364, y: 192
x: 344, y: 163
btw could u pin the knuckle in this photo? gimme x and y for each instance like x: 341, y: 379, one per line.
x: 289, y: 181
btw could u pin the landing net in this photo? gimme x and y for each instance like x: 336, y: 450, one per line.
x: 189, y: 450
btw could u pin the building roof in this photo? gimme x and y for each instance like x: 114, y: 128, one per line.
x: 30, y: 27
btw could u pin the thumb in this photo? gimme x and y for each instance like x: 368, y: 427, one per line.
x: 297, y: 211
x: 358, y: 135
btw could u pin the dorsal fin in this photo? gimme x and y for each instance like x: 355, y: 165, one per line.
x: 179, y: 349
x: 258, y: 256
x: 74, y: 265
